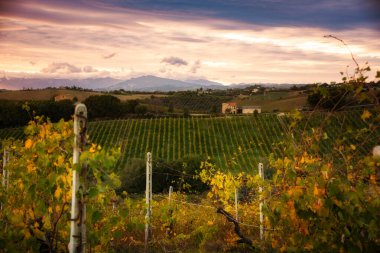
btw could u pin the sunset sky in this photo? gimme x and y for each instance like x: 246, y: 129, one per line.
x: 227, y: 41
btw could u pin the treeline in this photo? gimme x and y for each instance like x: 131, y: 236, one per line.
x: 19, y: 113
x: 108, y: 106
x: 340, y: 96
x: 14, y: 113
x: 200, y: 102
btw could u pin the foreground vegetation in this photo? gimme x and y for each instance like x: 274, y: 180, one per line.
x: 314, y: 201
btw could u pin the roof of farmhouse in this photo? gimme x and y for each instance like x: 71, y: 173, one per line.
x: 250, y: 107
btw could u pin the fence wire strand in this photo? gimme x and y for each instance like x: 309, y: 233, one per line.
x: 214, y: 207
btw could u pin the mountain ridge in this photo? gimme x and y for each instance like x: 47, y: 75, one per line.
x: 146, y: 83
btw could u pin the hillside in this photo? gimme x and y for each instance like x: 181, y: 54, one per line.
x: 284, y: 101
x: 235, y: 143
x: 47, y: 94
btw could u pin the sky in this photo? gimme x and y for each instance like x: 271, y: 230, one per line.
x: 226, y: 41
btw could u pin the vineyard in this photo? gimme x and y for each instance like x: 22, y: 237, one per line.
x: 238, y: 143
x: 199, y: 103
x: 322, y: 178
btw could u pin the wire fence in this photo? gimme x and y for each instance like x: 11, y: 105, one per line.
x: 212, y: 207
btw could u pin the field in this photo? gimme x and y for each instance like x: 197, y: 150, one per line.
x: 47, y: 94
x: 236, y: 143
x: 284, y: 101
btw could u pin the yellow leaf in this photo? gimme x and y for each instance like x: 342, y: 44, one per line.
x: 93, y: 148
x: 31, y: 168
x: 308, y: 246
x: 27, y: 234
x: 59, y: 161
x: 28, y: 143
x: 57, y: 192
x: 210, y: 223
x: 366, y: 115
x: 325, y: 174
x: 353, y: 147
x: 315, y: 190
x: 372, y: 179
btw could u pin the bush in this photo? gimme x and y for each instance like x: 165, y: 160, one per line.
x: 141, y: 109
x: 180, y: 174
x: 103, y: 106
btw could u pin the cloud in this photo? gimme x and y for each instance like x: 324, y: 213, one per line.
x: 67, y: 68
x: 89, y: 69
x: 61, y: 68
x: 236, y: 41
x: 109, y: 56
x: 196, y: 65
x: 175, y: 61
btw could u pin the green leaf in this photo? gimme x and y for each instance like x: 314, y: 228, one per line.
x: 124, y: 212
x: 93, y: 192
x: 118, y: 234
x: 96, y: 215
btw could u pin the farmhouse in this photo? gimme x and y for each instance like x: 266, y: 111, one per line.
x: 229, y: 108
x: 233, y: 108
x: 250, y: 109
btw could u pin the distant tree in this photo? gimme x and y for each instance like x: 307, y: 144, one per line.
x: 171, y: 108
x: 103, y: 106
x: 326, y: 97
x: 186, y: 112
x: 132, y: 104
x: 141, y: 109
x: 214, y: 109
x: 12, y: 114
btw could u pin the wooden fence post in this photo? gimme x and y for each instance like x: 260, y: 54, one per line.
x: 5, y: 178
x: 261, y: 174
x: 236, y: 204
x: 78, y: 209
x: 148, y: 199
x: 170, y: 196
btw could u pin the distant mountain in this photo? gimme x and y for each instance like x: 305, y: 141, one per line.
x: 143, y: 83
x: 208, y: 84
x: 40, y: 83
x: 154, y: 83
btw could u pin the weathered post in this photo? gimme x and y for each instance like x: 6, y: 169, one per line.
x: 170, y: 196
x: 5, y: 179
x: 261, y: 174
x: 148, y: 199
x: 78, y: 209
x: 236, y: 204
